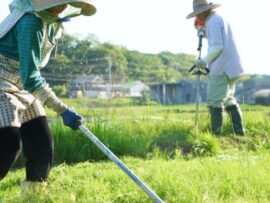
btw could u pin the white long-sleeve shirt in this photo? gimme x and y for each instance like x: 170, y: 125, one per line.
x: 219, y: 34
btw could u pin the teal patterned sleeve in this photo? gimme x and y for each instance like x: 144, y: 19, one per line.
x: 29, y: 36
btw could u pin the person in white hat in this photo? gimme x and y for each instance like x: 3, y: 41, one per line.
x: 225, y: 66
x: 27, y: 38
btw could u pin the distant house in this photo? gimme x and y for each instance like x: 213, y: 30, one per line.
x: 131, y: 89
x: 93, y: 86
x: 180, y: 92
x: 245, y: 95
x: 262, y: 97
x: 88, y: 86
x: 251, y: 91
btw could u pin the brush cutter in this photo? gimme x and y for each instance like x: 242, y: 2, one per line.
x: 119, y: 163
x: 198, y: 71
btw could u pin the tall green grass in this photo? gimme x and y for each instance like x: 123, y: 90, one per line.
x: 159, y: 143
x: 138, y: 130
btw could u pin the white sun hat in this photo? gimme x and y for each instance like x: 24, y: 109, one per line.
x: 86, y: 6
x: 200, y: 6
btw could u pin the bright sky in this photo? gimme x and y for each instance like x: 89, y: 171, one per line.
x: 152, y: 26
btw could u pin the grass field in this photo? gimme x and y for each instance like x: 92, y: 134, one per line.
x: 159, y: 144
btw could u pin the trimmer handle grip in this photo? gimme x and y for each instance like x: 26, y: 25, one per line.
x: 78, y: 123
x: 199, y: 71
x: 192, y: 68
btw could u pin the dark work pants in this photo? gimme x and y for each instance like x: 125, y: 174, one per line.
x: 37, y: 144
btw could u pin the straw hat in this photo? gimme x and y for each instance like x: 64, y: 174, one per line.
x: 200, y: 6
x: 86, y: 5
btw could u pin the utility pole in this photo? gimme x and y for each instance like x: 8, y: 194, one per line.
x: 164, y: 93
x: 109, y: 86
x: 164, y: 96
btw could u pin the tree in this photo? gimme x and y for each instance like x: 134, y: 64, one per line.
x: 86, y: 55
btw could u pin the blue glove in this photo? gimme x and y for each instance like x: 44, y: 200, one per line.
x: 71, y: 119
x: 200, y: 63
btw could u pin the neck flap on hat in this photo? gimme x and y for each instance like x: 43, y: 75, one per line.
x: 22, y: 5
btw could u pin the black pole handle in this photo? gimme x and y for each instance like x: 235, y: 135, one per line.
x: 200, y: 43
x: 192, y: 68
x: 199, y: 71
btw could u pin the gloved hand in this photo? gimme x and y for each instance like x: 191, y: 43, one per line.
x: 200, y: 63
x: 71, y: 119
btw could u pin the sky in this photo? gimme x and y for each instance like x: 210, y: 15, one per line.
x: 152, y: 26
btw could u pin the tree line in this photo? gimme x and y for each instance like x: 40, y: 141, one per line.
x: 77, y: 55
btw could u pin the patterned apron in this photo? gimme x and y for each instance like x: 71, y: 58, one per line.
x: 17, y: 106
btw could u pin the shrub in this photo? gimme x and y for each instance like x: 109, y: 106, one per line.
x: 60, y: 90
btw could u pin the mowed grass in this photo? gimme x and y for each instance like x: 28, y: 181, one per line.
x: 239, y: 178
x: 160, y: 145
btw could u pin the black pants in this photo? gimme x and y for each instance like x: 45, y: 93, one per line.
x: 37, y: 143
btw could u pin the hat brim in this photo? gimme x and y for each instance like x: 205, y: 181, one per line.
x: 87, y: 7
x: 205, y: 8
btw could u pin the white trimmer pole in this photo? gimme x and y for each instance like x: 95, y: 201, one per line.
x: 198, y: 98
x: 120, y: 164
x: 198, y: 72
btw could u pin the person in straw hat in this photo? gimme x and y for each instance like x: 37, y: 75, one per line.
x: 224, y: 63
x: 27, y: 37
